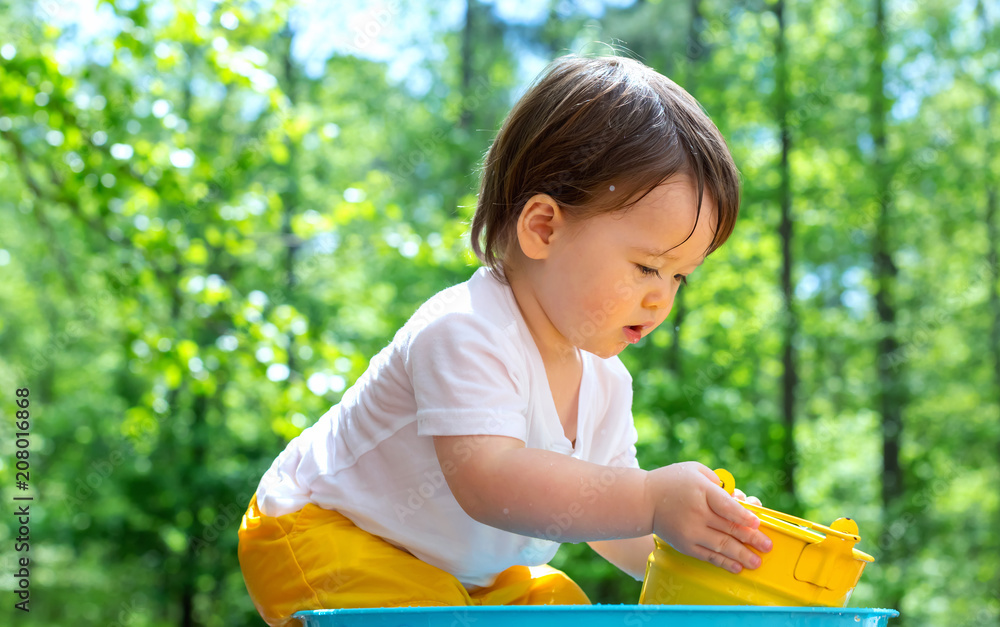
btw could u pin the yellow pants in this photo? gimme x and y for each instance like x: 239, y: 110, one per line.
x: 318, y: 559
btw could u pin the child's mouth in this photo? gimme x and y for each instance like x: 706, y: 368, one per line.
x: 633, y: 333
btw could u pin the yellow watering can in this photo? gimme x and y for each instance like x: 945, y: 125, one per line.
x: 809, y: 565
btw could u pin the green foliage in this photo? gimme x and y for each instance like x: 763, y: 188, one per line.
x: 201, y: 247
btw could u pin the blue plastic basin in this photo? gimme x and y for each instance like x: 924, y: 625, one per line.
x: 598, y: 615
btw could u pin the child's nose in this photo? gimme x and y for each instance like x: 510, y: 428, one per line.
x: 659, y: 300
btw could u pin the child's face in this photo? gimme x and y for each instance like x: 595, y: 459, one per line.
x: 604, y: 284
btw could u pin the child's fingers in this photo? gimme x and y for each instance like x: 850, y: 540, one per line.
x: 730, y: 509
x: 708, y: 473
x: 728, y: 552
x: 749, y: 537
x: 740, y: 495
x: 718, y: 559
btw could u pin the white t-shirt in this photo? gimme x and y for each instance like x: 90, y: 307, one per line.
x: 464, y: 364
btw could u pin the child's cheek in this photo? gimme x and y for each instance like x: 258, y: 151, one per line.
x: 600, y: 308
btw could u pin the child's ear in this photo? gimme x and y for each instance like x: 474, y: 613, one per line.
x: 540, y: 220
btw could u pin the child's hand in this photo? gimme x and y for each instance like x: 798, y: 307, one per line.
x: 740, y: 496
x: 698, y: 518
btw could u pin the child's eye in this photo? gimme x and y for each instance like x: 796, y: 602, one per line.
x: 647, y: 271
x: 682, y: 278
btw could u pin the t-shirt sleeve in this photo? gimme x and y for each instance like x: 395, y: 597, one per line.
x: 466, y: 379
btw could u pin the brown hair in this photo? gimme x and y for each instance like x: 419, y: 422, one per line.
x: 588, y: 121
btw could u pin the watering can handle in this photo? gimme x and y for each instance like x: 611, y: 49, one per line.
x: 727, y: 479
x: 729, y: 485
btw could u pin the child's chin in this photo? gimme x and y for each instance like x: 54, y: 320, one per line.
x: 605, y: 353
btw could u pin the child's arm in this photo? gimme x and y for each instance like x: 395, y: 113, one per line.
x: 543, y: 494
x: 631, y: 555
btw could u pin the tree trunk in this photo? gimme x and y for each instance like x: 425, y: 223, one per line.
x: 199, y: 408
x: 290, y: 195
x: 463, y: 165
x: 695, y: 52
x: 789, y: 379
x: 466, y: 116
x: 676, y: 354
x: 892, y: 395
x: 992, y: 229
x: 191, y: 567
x: 991, y: 275
x: 993, y: 256
x: 695, y: 47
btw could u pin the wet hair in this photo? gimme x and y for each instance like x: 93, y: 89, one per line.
x: 588, y: 123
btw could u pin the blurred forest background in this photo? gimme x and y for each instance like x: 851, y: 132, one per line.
x: 213, y: 214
